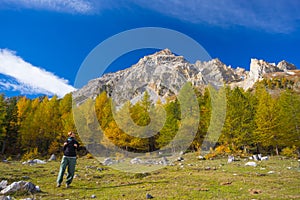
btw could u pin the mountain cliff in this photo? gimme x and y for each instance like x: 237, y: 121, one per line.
x: 163, y: 74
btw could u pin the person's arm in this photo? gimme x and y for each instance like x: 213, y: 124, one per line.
x: 65, y: 145
x: 76, y: 144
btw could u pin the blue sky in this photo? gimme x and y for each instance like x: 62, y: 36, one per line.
x: 44, y: 42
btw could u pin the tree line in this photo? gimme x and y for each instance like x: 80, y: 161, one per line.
x: 257, y: 121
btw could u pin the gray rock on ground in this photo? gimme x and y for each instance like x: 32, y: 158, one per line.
x: 3, y: 184
x: 20, y: 186
x: 52, y: 158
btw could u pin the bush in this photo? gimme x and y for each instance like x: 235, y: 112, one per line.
x: 31, y: 154
x: 289, y: 152
x: 222, y: 150
x: 89, y: 156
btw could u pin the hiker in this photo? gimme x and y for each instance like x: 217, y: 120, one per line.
x: 68, y: 160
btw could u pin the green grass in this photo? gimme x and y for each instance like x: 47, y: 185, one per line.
x: 222, y: 181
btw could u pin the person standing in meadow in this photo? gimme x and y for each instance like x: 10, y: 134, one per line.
x: 68, y: 160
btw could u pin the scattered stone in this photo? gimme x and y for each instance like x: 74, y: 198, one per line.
x: 258, y: 157
x: 5, y: 198
x: 253, y: 164
x: 37, y: 188
x: 149, y: 196
x: 180, y: 159
x: 203, y: 189
x: 255, y: 191
x: 19, y: 186
x: 271, y: 172
x: 289, y: 167
x: 108, y: 161
x: 226, y: 183
x: 3, y: 184
x: 230, y: 159
x: 136, y: 161
x: 100, y: 169
x: 201, y: 158
x: 259, y: 174
x: 52, y: 158
x: 265, y: 158
x: 165, y: 161
x: 93, y: 196
x: 35, y: 161
x: 207, y: 168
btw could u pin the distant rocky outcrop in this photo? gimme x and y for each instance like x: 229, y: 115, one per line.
x: 163, y: 74
x: 259, y: 69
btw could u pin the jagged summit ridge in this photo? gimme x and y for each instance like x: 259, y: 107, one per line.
x: 162, y: 74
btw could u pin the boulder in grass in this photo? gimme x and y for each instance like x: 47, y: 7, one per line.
x: 149, y: 196
x: 5, y: 198
x: 3, y: 184
x: 165, y: 161
x: 201, y: 158
x: 136, y: 161
x: 265, y: 158
x: 180, y: 158
x: 22, y: 186
x: 35, y: 161
x: 253, y: 164
x: 108, y: 161
x: 230, y: 159
x: 52, y: 158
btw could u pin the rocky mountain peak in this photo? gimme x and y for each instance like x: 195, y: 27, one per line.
x: 163, y: 52
x: 284, y: 65
x: 162, y: 57
x: 162, y: 75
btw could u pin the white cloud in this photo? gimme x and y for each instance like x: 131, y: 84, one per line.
x: 68, y: 6
x: 280, y: 16
x: 30, y: 79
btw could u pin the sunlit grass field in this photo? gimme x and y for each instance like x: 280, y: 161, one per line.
x: 188, y: 179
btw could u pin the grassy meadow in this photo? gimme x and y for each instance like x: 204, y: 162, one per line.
x: 188, y: 179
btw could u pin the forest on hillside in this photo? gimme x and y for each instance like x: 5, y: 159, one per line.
x: 256, y: 121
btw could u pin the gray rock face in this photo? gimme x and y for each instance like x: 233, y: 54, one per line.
x: 283, y: 65
x: 163, y: 74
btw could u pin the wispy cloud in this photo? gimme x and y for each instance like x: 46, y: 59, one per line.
x: 281, y: 16
x: 29, y: 79
x: 67, y: 6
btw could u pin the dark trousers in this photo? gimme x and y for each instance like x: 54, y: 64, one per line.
x: 69, y: 162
